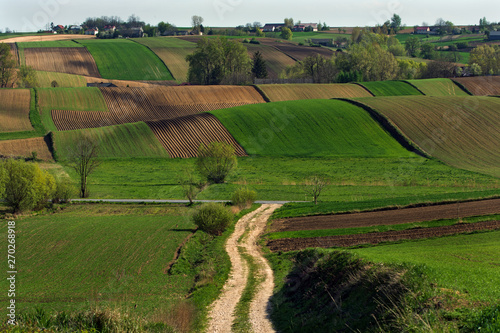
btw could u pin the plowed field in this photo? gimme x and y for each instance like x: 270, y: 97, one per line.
x: 482, y: 85
x: 14, y: 110
x: 70, y: 60
x: 290, y: 92
x: 276, y: 60
x: 295, y: 51
x: 293, y: 244
x: 129, y: 105
x: 182, y: 137
x: 24, y: 148
x: 460, y: 131
x: 389, y: 217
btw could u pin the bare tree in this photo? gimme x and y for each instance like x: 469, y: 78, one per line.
x: 83, y: 158
x: 196, y: 21
x: 314, y: 185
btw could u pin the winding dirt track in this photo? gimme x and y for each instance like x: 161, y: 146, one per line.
x: 221, y: 315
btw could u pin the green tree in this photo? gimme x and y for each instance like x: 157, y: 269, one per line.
x: 215, y: 161
x: 487, y: 57
x: 27, y: 77
x: 243, y: 197
x: 395, y: 23
x: 412, y: 46
x: 7, y: 64
x: 83, y: 158
x: 289, y: 23
x: 319, y: 68
x: 395, y: 47
x: 427, y: 51
x: 213, y: 218
x: 286, y: 33
x: 259, y: 68
x: 196, y: 22
x: 259, y: 33
x: 218, y: 60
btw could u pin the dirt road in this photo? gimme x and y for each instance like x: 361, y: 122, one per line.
x: 221, y: 315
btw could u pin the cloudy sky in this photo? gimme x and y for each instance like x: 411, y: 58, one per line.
x: 32, y: 15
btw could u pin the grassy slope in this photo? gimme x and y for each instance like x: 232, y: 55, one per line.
x: 390, y: 88
x: 126, y: 60
x: 74, y: 99
x: 460, y: 131
x: 173, y: 52
x: 288, y: 92
x: 70, y: 262
x: 309, y: 128
x: 468, y: 263
x: 63, y: 80
x: 438, y: 87
x: 121, y: 141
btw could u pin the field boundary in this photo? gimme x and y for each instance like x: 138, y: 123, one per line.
x: 365, y: 88
x: 461, y: 86
x: 168, y: 69
x: 414, y: 86
x: 262, y: 93
x: 390, y: 127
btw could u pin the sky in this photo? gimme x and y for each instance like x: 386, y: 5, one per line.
x: 32, y: 15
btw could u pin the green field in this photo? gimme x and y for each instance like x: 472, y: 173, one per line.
x: 303, y: 36
x: 125, y: 60
x: 309, y: 128
x: 390, y: 88
x: 58, y: 43
x: 63, y: 80
x: 467, y: 263
x: 120, y: 141
x: 172, y: 51
x: 73, y: 99
x: 438, y: 87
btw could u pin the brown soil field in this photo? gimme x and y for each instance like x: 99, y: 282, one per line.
x: 129, y: 105
x: 295, y: 51
x: 24, y: 148
x: 15, y: 110
x: 134, y: 84
x: 182, y: 136
x: 70, y: 60
x: 276, y: 60
x: 45, y: 38
x: 389, y: 217
x: 481, y: 85
x: 290, y: 92
x: 293, y: 244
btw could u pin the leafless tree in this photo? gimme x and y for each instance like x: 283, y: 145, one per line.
x: 314, y: 185
x: 83, y: 158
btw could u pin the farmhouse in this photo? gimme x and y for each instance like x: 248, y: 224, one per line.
x: 306, y: 27
x: 422, y: 30
x: 58, y: 28
x: 133, y: 32
x: 93, y: 31
x: 272, y: 27
x: 494, y: 35
x: 109, y: 28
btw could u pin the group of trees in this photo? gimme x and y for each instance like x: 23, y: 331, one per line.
x: 485, y: 60
x: 10, y: 75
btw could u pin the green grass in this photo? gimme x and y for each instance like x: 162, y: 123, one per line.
x: 467, y: 263
x: 120, y: 141
x: 125, y: 60
x: 438, y: 87
x: 59, y: 43
x: 73, y: 99
x: 302, y: 36
x: 380, y: 228
x: 309, y: 128
x: 423, y: 38
x: 63, y: 80
x: 390, y: 88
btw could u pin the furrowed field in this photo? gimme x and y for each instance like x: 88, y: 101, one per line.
x: 438, y: 87
x: 390, y: 88
x: 125, y: 60
x: 276, y: 61
x: 289, y: 92
x: 45, y: 80
x: 14, y: 110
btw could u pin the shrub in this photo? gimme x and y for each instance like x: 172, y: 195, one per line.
x: 243, y: 198
x: 215, y: 161
x: 65, y: 190
x: 213, y: 218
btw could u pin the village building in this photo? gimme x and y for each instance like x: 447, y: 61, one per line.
x: 92, y: 31
x: 273, y: 27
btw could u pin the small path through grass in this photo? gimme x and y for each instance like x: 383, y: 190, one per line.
x: 246, y: 233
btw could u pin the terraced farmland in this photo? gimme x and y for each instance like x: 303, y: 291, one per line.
x: 123, y: 59
x: 309, y: 128
x: 121, y: 141
x: 24, y: 148
x: 129, y: 105
x: 276, y: 60
x: 70, y: 60
x: 182, y: 136
x: 172, y: 51
x: 481, y: 85
x: 390, y: 88
x: 438, y: 87
x: 460, y: 131
x: 14, y: 110
x: 289, y: 92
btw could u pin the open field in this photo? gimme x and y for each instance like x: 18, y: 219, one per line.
x: 276, y: 61
x: 460, y: 131
x: 481, y: 85
x: 70, y: 60
x: 24, y: 148
x: 129, y: 105
x: 51, y: 44
x: 309, y: 128
x: 122, y: 59
x: 63, y: 80
x: 182, y: 136
x: 172, y: 51
x: 289, y: 92
x: 296, y: 52
x: 438, y: 87
x: 14, y: 110
x: 389, y: 217
x: 390, y: 88
x: 121, y: 141
x: 45, y: 38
